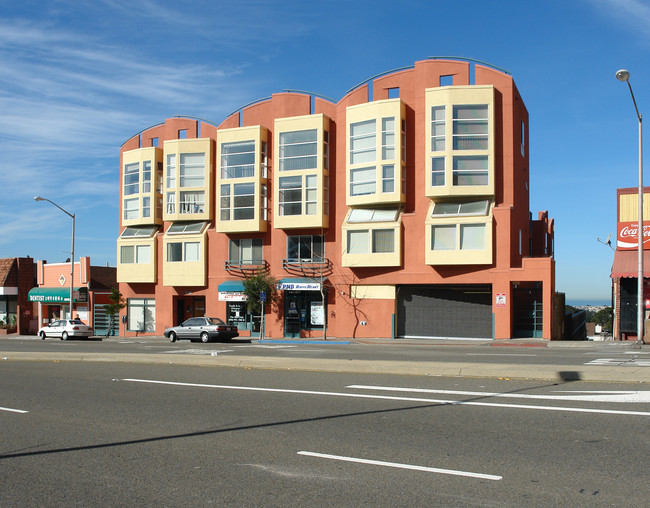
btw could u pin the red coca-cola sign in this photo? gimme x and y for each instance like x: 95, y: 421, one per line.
x: 628, y: 236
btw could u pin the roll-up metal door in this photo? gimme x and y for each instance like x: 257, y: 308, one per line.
x: 445, y: 311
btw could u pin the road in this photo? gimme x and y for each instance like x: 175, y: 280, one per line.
x: 115, y: 434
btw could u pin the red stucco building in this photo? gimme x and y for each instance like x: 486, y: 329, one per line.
x: 407, y: 202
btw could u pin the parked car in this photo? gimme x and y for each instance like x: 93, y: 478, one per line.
x: 66, y: 328
x: 204, y: 329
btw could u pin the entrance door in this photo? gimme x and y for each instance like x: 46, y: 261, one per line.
x: 528, y: 310
x: 303, y: 310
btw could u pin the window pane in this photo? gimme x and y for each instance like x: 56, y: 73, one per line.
x: 443, y: 237
x: 171, y: 171
x: 437, y: 128
x: 471, y: 127
x: 472, y: 236
x: 143, y: 254
x: 358, y: 242
x: 388, y: 179
x: 437, y: 171
x: 191, y: 202
x: 126, y: 254
x: 363, y: 143
x: 192, y: 251
x: 175, y: 252
x: 238, y: 159
x: 192, y: 170
x: 131, y: 208
x: 363, y: 181
x: 131, y: 178
x: 383, y: 240
x: 470, y: 170
x: 298, y: 150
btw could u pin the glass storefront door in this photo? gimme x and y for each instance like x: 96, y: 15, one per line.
x: 303, y: 310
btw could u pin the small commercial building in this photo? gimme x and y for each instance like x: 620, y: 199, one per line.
x: 92, y: 286
x: 17, y: 277
x: 402, y: 210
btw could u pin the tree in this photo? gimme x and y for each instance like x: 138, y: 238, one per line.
x: 254, y: 285
x: 604, y: 317
x: 113, y: 308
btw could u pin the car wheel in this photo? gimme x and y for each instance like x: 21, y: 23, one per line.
x: 64, y: 336
x: 42, y: 335
x: 172, y: 337
x: 205, y: 337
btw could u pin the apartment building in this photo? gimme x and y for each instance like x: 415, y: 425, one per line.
x: 401, y: 210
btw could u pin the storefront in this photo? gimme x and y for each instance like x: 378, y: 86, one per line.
x: 237, y: 312
x: 54, y: 303
x: 303, y: 306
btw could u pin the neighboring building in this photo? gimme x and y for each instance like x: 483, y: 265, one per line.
x: 92, y: 286
x: 410, y: 207
x: 625, y: 269
x: 17, y: 277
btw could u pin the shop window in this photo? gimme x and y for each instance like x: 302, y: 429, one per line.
x: 141, y: 314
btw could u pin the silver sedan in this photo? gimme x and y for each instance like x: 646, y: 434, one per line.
x: 203, y: 329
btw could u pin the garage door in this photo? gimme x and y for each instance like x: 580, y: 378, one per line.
x: 445, y: 311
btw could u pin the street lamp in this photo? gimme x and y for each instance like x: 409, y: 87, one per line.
x: 624, y: 75
x: 39, y: 198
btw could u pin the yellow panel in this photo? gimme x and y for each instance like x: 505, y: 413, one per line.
x: 628, y: 207
x: 177, y: 147
x: 320, y: 219
x: 154, y: 155
x: 377, y: 110
x: 449, y: 97
x: 137, y: 272
x: 184, y: 273
x: 373, y: 292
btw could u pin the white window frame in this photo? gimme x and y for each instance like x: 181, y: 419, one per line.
x: 363, y: 143
x: 370, y: 174
x: 131, y: 209
x: 471, y: 121
x: 289, y: 150
x: 241, y: 170
x: 131, y: 179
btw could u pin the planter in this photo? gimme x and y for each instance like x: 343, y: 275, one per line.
x: 7, y: 331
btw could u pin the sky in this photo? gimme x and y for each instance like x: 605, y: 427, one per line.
x: 78, y: 78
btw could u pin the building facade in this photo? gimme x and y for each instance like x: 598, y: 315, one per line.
x: 401, y: 210
x: 17, y: 277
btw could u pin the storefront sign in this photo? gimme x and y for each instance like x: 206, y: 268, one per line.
x: 628, y: 236
x: 500, y: 299
x: 298, y: 286
x: 317, y: 314
x: 232, y: 296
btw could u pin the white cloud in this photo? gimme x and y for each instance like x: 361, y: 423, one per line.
x: 635, y: 14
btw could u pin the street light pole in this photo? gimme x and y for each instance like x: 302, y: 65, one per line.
x: 39, y: 198
x: 624, y: 75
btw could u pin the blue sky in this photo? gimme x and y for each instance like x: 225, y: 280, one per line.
x: 78, y: 78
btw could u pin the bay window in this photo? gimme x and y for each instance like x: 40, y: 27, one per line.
x: 298, y: 150
x: 192, y: 170
x: 290, y: 195
x: 238, y: 159
x: 470, y: 128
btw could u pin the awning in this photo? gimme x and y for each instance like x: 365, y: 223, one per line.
x: 298, y: 284
x: 230, y: 286
x: 626, y: 264
x: 57, y: 295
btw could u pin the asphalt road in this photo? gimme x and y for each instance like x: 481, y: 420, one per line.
x: 113, y: 434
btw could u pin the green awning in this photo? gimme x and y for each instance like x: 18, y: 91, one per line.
x: 57, y: 295
x: 230, y: 286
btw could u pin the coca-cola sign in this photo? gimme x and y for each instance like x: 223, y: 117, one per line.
x: 628, y: 236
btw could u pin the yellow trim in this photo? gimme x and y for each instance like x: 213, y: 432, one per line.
x: 449, y: 97
x: 320, y: 219
x: 373, y: 292
x: 458, y: 256
x: 178, y: 147
x: 140, y: 155
x: 376, y: 110
x: 258, y: 224
x: 137, y: 272
x: 185, y: 273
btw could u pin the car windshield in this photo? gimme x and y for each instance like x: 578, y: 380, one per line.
x: 215, y: 321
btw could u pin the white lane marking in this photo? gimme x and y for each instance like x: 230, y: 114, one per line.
x: 637, y: 352
x: 391, y: 397
x: 497, y: 354
x: 454, y: 472
x: 264, y: 346
x: 620, y: 362
x: 13, y: 410
x: 585, y: 396
x: 209, y: 352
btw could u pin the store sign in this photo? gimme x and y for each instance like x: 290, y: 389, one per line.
x: 298, y: 286
x: 232, y: 296
x: 500, y: 299
x: 628, y: 235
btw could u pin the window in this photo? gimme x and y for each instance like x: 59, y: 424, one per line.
x: 225, y: 202
x: 146, y: 206
x: 186, y: 228
x: 238, y: 159
x: 443, y: 237
x: 154, y: 141
x: 366, y: 215
x: 141, y: 314
x: 298, y: 150
x: 171, y: 203
x: 140, y: 254
x: 305, y: 248
x: 472, y: 236
x: 455, y: 208
x: 131, y: 208
x: 388, y: 179
x: 146, y: 176
x: 383, y: 241
x: 192, y: 170
x: 523, y: 139
x: 131, y: 178
x: 246, y: 251
x: 437, y: 128
x: 171, y: 171
x: 437, y: 171
x: 363, y: 143
x: 290, y: 195
x: 447, y: 80
x: 183, y: 251
x: 191, y: 202
x: 326, y: 150
x: 138, y: 232
x: 470, y: 170
x: 243, y: 201
x: 471, y: 127
x: 182, y: 134
x: 264, y: 206
x: 311, y: 194
x: 363, y: 181
x: 388, y: 138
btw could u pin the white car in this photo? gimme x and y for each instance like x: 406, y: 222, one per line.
x: 66, y: 328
